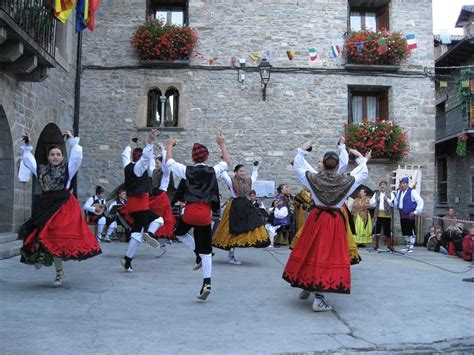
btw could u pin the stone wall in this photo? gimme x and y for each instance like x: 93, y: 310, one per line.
x: 300, y: 104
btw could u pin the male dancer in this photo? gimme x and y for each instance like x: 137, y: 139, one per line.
x: 409, y: 204
x: 382, y: 201
x: 138, y: 186
x: 201, y: 195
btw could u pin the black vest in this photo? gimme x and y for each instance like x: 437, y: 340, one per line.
x: 134, y: 184
x: 200, y: 186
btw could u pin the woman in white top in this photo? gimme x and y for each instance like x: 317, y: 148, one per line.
x: 320, y: 260
x: 56, y: 230
x: 241, y: 225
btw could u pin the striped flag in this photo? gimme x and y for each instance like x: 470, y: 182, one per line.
x: 212, y: 60
x: 313, y: 55
x: 199, y: 55
x: 335, y: 50
x: 93, y: 6
x: 290, y: 54
x: 411, y: 41
x: 82, y: 14
x: 443, y: 84
x: 254, y: 58
x: 382, y: 42
x: 268, y: 55
x: 63, y: 9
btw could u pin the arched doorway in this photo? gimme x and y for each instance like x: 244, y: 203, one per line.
x: 7, y: 174
x: 50, y: 136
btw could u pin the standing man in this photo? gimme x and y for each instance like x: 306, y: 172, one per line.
x: 383, y: 203
x: 409, y: 204
x: 201, y: 195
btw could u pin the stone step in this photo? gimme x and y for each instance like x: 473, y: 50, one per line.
x: 11, y: 249
x: 8, y: 237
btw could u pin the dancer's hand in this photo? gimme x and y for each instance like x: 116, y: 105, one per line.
x: 368, y: 155
x: 68, y: 134
x: 342, y: 140
x: 27, y: 138
x: 154, y: 133
x: 170, y: 142
x: 220, y: 139
x: 356, y: 153
x: 307, y: 144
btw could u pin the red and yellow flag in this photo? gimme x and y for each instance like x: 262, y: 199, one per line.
x: 63, y: 9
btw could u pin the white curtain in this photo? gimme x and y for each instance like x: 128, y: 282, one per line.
x: 357, y: 109
x: 370, y: 21
x: 371, y: 108
x: 356, y: 22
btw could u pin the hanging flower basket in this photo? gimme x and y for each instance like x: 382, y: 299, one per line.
x: 379, y: 48
x: 156, y: 41
x: 386, y: 139
x: 461, y: 147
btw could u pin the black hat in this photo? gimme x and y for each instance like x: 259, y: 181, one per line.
x: 331, y: 155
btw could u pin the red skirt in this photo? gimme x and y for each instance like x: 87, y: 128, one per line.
x: 65, y: 235
x: 160, y: 205
x: 320, y: 261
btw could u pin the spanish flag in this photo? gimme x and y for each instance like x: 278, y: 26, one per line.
x: 63, y: 9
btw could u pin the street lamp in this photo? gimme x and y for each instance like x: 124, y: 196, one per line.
x: 240, y: 73
x: 265, y: 69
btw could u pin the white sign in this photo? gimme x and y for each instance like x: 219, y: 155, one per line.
x: 264, y: 188
x: 414, y: 176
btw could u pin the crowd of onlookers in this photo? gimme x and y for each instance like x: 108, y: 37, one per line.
x: 450, y: 237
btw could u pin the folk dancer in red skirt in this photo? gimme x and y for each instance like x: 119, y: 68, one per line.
x: 56, y: 230
x: 138, y: 186
x: 201, y: 194
x: 320, y: 260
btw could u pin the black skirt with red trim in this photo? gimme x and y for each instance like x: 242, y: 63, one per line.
x: 57, y: 228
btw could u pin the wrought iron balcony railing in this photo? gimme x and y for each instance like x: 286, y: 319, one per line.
x: 452, y: 122
x: 34, y: 18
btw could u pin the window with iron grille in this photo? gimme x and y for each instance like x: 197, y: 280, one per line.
x: 442, y: 172
x: 370, y: 103
x: 162, y: 110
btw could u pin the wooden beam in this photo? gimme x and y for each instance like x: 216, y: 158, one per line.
x: 25, y: 65
x: 11, y: 51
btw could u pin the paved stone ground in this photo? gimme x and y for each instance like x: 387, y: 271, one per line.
x: 397, y: 304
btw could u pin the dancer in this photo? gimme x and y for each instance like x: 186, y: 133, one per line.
x: 241, y: 225
x: 383, y: 203
x: 56, y: 230
x: 138, y: 186
x: 200, y: 192
x: 363, y: 221
x: 409, y: 204
x: 320, y: 261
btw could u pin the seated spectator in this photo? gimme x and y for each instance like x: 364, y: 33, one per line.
x: 467, y: 244
x: 112, y: 214
x: 431, y: 232
x: 435, y: 243
x: 449, y: 220
x: 452, y: 239
x: 259, y: 204
x: 95, y: 208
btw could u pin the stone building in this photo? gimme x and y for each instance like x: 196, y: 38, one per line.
x: 37, y: 77
x: 454, y: 119
x: 305, y: 99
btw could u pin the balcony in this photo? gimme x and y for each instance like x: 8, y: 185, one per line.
x: 452, y: 123
x: 27, y: 39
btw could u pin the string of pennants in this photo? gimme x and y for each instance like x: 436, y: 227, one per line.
x: 464, y: 84
x: 335, y: 52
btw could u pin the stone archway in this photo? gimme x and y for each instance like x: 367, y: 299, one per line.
x: 50, y: 136
x: 7, y: 174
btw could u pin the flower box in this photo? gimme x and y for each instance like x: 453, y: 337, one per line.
x: 386, y: 139
x: 375, y: 48
x: 156, y: 41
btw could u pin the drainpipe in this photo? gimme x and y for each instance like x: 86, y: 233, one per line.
x: 77, y: 98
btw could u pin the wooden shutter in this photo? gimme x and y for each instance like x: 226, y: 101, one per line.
x: 383, y: 106
x: 383, y: 18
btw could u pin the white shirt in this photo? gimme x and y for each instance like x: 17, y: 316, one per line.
x: 415, y: 197
x: 75, y: 160
x: 228, y: 181
x: 300, y: 167
x: 279, y: 212
x: 145, y: 163
x: 180, y: 169
x: 90, y: 201
x: 373, y: 202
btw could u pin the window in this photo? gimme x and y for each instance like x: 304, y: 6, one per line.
x: 368, y: 15
x: 441, y: 108
x: 162, y: 109
x: 442, y: 168
x: 368, y: 104
x: 172, y: 12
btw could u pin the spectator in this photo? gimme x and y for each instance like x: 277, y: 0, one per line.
x: 431, y: 232
x: 452, y: 239
x: 467, y: 244
x: 435, y: 243
x: 449, y: 220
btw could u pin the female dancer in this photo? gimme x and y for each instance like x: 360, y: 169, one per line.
x: 320, y: 261
x: 241, y: 225
x: 363, y: 221
x: 56, y: 230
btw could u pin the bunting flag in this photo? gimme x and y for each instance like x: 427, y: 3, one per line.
x: 63, y: 9
x: 233, y: 61
x: 212, y: 60
x: 472, y: 86
x: 359, y: 45
x: 445, y: 37
x: 93, y: 6
x: 82, y: 14
x: 443, y: 84
x: 465, y: 83
x: 411, y: 41
x: 383, y: 48
x: 268, y: 55
x: 199, y: 55
x: 290, y: 54
x: 254, y: 58
x: 313, y: 55
x: 335, y: 50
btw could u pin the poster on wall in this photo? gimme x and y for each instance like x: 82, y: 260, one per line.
x: 264, y: 188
